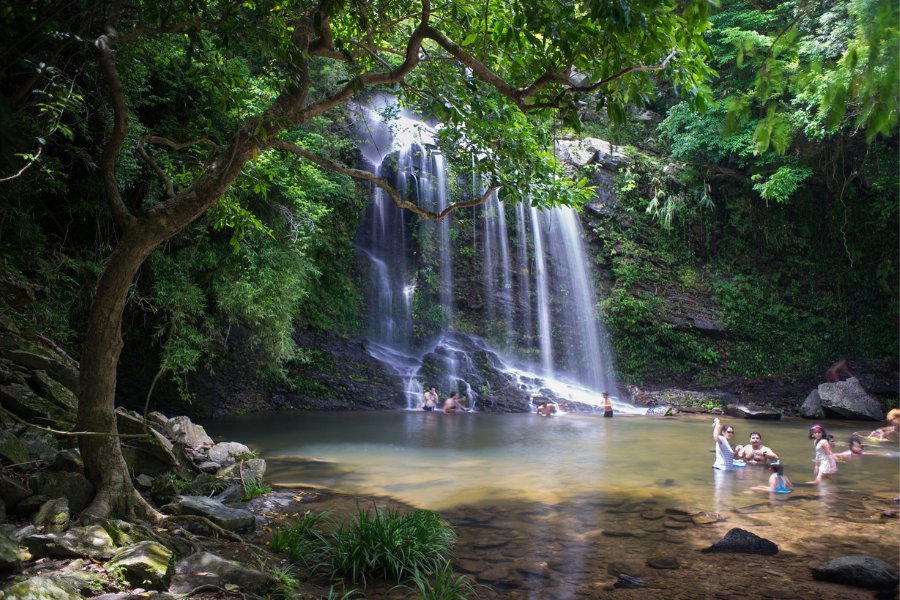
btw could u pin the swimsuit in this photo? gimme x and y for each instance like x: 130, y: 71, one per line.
x: 780, y: 487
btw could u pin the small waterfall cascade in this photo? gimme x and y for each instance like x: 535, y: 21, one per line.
x: 524, y: 292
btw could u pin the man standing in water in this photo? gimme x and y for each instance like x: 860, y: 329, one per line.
x: 607, y: 405
x: 430, y: 400
x: 755, y: 453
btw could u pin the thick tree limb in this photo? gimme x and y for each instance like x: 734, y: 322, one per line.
x: 382, y: 183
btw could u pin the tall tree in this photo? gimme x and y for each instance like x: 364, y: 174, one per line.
x: 495, y: 73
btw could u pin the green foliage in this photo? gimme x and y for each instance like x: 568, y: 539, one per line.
x: 444, y: 585
x: 255, y: 489
x: 391, y: 545
x: 782, y: 184
x: 382, y: 544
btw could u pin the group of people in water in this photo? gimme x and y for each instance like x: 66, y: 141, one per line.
x: 431, y: 402
x: 825, y: 458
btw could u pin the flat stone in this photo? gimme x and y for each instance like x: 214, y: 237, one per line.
x: 232, y: 519
x: 663, y: 562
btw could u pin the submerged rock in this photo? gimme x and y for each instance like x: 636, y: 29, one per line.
x: 860, y: 571
x: 740, y: 540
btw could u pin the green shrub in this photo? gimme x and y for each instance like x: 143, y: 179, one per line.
x: 392, y: 545
x: 381, y: 544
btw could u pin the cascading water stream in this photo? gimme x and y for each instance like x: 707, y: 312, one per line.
x: 544, y: 286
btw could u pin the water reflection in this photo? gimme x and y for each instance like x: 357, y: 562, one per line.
x: 546, y: 507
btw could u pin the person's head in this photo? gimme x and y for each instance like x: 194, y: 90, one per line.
x: 817, y: 432
x: 605, y: 395
x: 893, y: 416
x: 830, y: 439
x: 728, y: 431
x: 433, y: 389
x: 776, y: 468
x: 856, y: 445
x: 455, y: 395
x: 755, y: 438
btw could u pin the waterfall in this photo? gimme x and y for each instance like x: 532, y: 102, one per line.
x: 543, y: 296
x: 543, y: 289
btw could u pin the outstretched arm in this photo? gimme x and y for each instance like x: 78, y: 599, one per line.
x: 717, y: 429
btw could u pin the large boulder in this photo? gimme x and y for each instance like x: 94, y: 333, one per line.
x: 205, y: 568
x: 154, y: 454
x: 10, y: 558
x: 848, y: 399
x: 53, y: 516
x: 812, y: 406
x: 146, y: 564
x: 92, y: 540
x: 23, y: 402
x: 54, y: 484
x: 183, y: 430
x: 12, y: 451
x: 245, y: 470
x: 69, y: 584
x: 228, y: 453
x: 860, y: 571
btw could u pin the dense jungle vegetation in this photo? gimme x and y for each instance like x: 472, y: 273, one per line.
x: 772, y: 198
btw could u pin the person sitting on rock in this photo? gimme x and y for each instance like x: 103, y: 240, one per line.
x: 839, y: 371
x: 755, y: 453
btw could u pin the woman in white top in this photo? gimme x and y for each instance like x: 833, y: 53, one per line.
x: 825, y: 464
x: 724, y: 454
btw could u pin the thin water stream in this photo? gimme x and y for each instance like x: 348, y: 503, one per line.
x: 543, y: 505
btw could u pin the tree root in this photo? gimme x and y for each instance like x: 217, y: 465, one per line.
x: 228, y: 535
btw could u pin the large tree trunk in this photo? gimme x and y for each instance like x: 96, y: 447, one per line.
x: 102, y: 454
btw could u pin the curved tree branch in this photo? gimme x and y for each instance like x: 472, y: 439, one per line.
x: 161, y: 141
x: 120, y: 212
x: 382, y: 183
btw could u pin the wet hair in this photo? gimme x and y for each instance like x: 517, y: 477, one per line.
x: 752, y: 433
x: 777, y: 468
x: 854, y: 439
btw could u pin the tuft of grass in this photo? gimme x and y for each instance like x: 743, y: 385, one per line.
x: 382, y: 543
x: 254, y: 489
x: 395, y: 546
x: 444, y: 585
x: 304, y: 542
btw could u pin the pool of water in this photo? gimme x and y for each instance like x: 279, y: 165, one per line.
x: 437, y: 461
x: 547, y: 507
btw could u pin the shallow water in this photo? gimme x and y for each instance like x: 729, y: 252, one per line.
x: 437, y: 461
x: 543, y: 505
